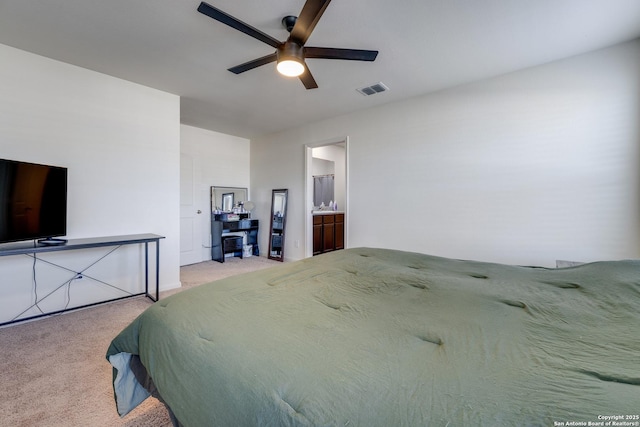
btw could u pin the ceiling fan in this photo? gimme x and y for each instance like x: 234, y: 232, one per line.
x: 290, y: 55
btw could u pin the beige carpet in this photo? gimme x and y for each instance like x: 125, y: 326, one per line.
x: 53, y: 371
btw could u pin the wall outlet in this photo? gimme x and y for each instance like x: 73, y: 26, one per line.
x: 296, y: 243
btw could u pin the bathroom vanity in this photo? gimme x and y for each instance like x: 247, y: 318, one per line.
x: 328, y: 231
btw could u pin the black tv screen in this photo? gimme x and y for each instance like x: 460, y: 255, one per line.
x: 33, y: 201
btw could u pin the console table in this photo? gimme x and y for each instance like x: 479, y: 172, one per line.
x: 223, y: 224
x: 31, y: 249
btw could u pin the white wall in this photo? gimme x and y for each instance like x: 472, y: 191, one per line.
x: 322, y: 167
x: 526, y: 168
x: 121, y: 144
x: 218, y: 160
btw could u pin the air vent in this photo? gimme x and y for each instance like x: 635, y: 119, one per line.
x: 373, y: 89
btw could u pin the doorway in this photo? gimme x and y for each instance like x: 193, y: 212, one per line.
x: 327, y: 158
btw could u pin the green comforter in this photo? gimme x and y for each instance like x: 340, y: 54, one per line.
x: 373, y: 337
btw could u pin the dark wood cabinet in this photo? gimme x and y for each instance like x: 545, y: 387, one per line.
x: 339, y: 231
x: 328, y: 232
x: 317, y: 234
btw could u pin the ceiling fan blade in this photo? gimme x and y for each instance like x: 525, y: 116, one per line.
x: 307, y: 79
x: 334, y: 53
x: 253, y: 64
x: 309, y: 16
x: 229, y: 20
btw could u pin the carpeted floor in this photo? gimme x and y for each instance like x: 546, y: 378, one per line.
x: 53, y: 371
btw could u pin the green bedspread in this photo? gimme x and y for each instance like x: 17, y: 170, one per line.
x: 374, y: 337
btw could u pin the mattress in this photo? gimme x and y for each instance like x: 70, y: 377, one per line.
x: 377, y: 337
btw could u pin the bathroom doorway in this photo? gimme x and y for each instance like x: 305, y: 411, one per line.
x: 326, y: 159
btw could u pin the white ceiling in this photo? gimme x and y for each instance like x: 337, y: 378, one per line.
x: 425, y: 46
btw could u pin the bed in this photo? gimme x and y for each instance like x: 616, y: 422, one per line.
x: 376, y: 337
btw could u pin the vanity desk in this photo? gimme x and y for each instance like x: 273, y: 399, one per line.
x: 328, y: 231
x: 227, y: 230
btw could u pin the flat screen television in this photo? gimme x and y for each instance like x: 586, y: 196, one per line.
x: 33, y: 202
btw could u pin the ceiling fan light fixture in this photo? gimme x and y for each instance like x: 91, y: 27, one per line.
x: 290, y: 60
x: 290, y: 68
x: 291, y: 54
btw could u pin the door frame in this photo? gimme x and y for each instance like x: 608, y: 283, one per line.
x: 308, y: 191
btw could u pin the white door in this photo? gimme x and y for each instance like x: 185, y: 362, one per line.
x: 190, y: 213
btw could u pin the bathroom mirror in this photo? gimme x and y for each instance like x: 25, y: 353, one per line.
x: 323, y: 189
x: 224, y: 198
x: 278, y: 221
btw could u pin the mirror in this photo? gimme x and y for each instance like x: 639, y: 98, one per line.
x: 227, y: 202
x: 278, y: 221
x: 225, y: 198
x: 323, y: 190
